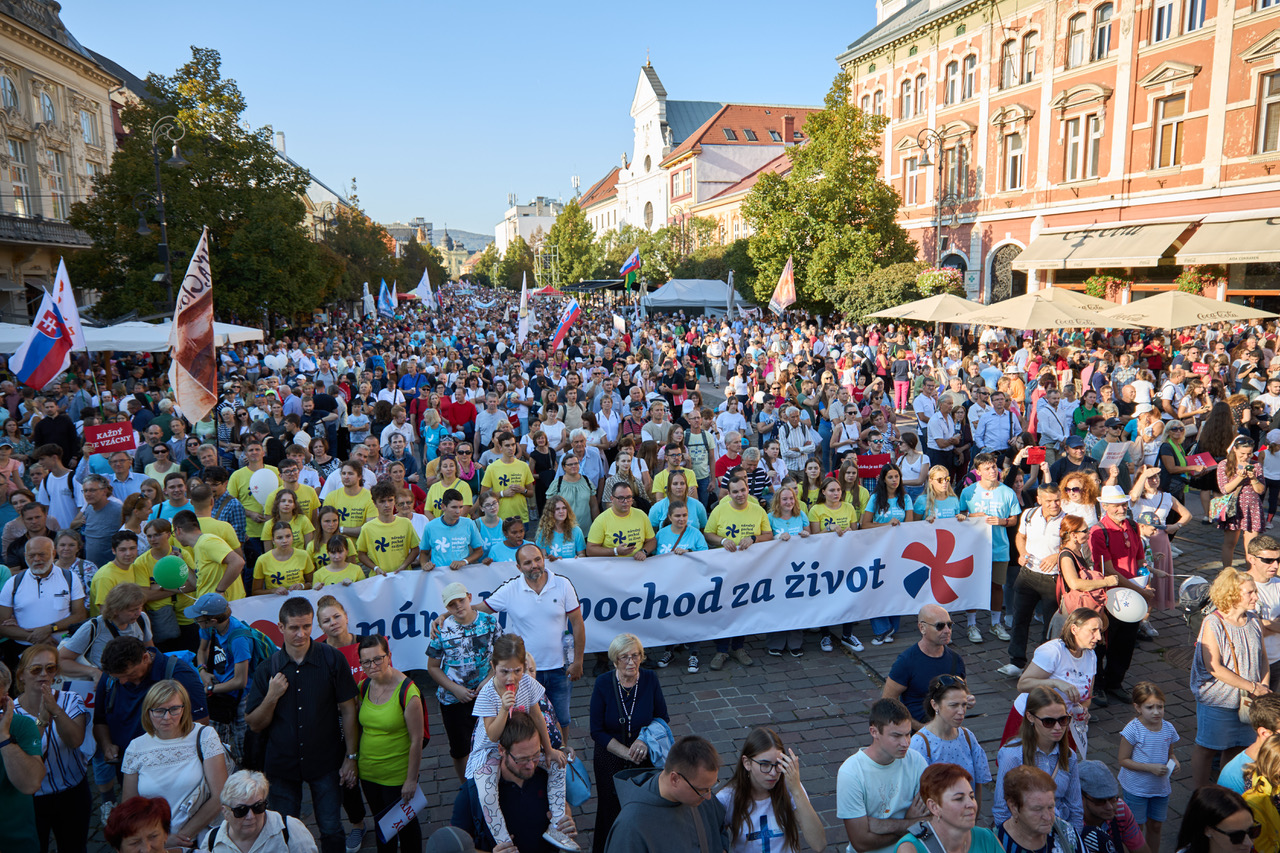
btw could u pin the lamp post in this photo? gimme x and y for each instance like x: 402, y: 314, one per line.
x: 928, y: 140
x: 170, y: 128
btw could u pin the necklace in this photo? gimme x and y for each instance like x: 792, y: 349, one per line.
x: 627, y: 713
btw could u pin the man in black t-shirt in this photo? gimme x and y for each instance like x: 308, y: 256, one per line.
x: 918, y: 665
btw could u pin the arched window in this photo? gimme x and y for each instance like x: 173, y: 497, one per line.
x: 970, y: 84
x: 865, y: 103
x: 953, y: 82
x: 921, y: 104
x: 1030, y: 47
x: 1102, y: 31
x: 878, y: 102
x: 46, y: 108
x: 1009, y: 64
x: 1077, y: 46
x: 904, y: 100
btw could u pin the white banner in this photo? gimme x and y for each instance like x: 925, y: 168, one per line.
x: 774, y: 586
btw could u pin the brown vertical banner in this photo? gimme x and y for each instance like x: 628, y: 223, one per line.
x: 194, y: 370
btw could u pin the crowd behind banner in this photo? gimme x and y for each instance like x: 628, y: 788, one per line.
x: 161, y: 596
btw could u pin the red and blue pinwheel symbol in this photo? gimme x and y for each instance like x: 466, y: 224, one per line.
x: 936, y: 567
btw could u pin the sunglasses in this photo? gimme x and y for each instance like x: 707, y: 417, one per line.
x: 1239, y: 835
x: 1052, y: 722
x: 243, y: 809
x: 939, y: 626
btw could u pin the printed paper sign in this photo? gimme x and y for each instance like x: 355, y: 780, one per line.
x: 398, y: 815
x: 1035, y: 455
x: 869, y: 464
x: 1205, y: 459
x: 1199, y: 368
x: 108, y: 438
x: 1113, y: 455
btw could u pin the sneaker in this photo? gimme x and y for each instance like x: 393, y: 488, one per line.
x: 797, y: 653
x: 975, y: 634
x: 878, y: 640
x: 719, y: 660
x: 105, y: 811
x: 851, y: 643
x: 888, y: 637
x: 826, y: 643
x: 664, y: 659
x: 1146, y: 630
x: 1000, y: 632
x: 693, y: 663
x: 776, y: 653
x: 1175, y: 551
x: 559, y: 839
x: 741, y: 656
x: 1010, y: 670
x: 1100, y: 699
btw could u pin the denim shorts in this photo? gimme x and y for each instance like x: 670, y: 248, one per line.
x: 1220, y: 728
x: 1146, y: 808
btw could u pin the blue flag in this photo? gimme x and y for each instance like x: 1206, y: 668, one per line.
x: 386, y: 305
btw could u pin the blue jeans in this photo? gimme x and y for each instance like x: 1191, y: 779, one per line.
x: 884, y: 624
x: 556, y: 683
x: 326, y: 802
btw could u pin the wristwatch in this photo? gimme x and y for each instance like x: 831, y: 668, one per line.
x: 353, y: 756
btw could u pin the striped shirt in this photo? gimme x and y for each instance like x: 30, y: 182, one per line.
x: 1149, y: 748
x: 65, y: 764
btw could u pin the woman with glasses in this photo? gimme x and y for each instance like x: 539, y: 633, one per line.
x: 764, y: 799
x: 391, y: 725
x: 1042, y: 742
x: 177, y: 760
x: 1218, y: 820
x: 623, y: 703
x: 1080, y: 493
x: 943, y: 738
x: 916, y: 472
x: 63, y: 802
x: 247, y: 824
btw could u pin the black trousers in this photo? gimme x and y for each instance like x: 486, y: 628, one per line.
x: 380, y: 798
x: 1029, y: 590
x: 65, y: 813
x: 1121, y: 638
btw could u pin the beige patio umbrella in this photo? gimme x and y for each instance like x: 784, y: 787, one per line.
x: 1074, y: 298
x: 1175, y: 309
x: 1032, y: 311
x: 943, y: 308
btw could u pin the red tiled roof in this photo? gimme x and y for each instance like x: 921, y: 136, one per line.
x: 739, y: 118
x: 603, y: 189
x: 780, y: 165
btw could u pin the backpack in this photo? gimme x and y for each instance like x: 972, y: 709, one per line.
x: 22, y: 575
x: 403, y: 694
x: 263, y: 646
x: 212, y: 838
x: 115, y: 632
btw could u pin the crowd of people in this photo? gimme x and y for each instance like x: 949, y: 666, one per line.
x: 437, y: 440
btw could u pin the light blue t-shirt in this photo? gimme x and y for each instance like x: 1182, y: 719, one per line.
x: 792, y: 525
x: 1232, y: 775
x: 564, y: 548
x: 489, y: 535
x: 693, y: 540
x: 1000, y: 502
x: 945, y: 508
x: 697, y: 513
x: 451, y: 542
x: 501, y: 552
x: 894, y: 510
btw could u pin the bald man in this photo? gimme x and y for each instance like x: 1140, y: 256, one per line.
x: 919, y: 664
x: 44, y: 601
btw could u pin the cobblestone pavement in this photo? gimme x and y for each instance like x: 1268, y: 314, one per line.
x: 819, y: 703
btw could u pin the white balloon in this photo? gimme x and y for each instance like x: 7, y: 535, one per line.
x: 1127, y: 605
x: 262, y: 484
x: 276, y: 361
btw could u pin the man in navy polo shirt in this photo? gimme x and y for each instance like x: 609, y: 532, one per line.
x: 919, y: 664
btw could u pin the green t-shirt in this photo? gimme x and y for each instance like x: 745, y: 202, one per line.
x: 17, y: 810
x: 384, y: 738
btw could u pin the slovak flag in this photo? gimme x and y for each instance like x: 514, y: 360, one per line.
x: 47, y: 351
x: 571, y: 313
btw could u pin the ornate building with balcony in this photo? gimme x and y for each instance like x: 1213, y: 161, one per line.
x: 1036, y: 143
x: 56, y: 135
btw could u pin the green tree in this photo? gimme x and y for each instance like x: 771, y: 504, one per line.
x: 832, y: 214
x: 484, y: 267
x: 414, y: 258
x: 516, y: 263
x: 883, y: 287
x: 574, y: 238
x: 365, y: 249
x: 259, y: 253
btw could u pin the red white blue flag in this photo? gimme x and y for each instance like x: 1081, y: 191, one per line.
x: 47, y: 351
x: 571, y: 313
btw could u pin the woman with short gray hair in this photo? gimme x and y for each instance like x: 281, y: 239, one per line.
x: 248, y: 825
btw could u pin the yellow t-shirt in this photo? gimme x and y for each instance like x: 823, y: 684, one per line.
x: 144, y: 567
x: 354, y: 509
x: 327, y: 576
x: 301, y: 526
x: 828, y: 518
x: 660, y: 481
x: 611, y: 531
x: 308, y: 500
x: 238, y: 487
x: 209, y: 553
x: 864, y: 498
x: 737, y: 524
x: 108, y: 577
x: 502, y: 475
x: 387, y: 544
x: 275, y: 573
x: 319, y: 552
x: 222, y: 529
x: 435, y: 496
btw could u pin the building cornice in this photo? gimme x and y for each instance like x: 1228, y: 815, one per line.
x: 928, y: 27
x: 42, y: 44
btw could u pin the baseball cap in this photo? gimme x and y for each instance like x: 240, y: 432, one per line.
x: 209, y: 604
x: 1150, y: 519
x: 1273, y: 437
x: 452, y: 592
x: 1116, y: 423
x: 1074, y: 441
x: 1096, y: 781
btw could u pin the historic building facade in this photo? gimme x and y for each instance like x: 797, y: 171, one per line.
x: 1036, y: 143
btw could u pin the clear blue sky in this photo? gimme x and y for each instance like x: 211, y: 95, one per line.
x: 442, y: 109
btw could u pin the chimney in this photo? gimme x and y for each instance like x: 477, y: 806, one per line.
x: 280, y: 141
x: 788, y: 130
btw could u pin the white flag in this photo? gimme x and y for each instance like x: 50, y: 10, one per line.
x: 619, y: 324
x: 522, y: 328
x: 65, y: 299
x: 367, y: 302
x: 423, y: 291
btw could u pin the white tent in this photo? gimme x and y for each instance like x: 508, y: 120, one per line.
x: 686, y: 293
x: 133, y: 336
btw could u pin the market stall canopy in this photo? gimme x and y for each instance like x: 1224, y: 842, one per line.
x: 1100, y: 247
x: 1032, y: 311
x: 1175, y: 309
x: 1074, y: 299
x: 943, y: 308
x: 1233, y: 241
x: 688, y: 293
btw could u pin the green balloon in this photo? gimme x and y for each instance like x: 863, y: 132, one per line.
x: 170, y: 572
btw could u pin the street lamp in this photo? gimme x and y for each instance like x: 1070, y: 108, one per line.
x: 171, y: 129
x: 928, y: 140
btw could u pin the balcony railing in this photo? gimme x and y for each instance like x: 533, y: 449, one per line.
x: 37, y: 230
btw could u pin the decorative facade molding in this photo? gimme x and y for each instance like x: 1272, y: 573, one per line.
x: 1169, y: 72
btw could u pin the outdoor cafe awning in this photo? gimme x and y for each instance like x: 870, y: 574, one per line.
x: 1242, y: 241
x: 1100, y: 247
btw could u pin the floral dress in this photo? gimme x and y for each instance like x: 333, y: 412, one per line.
x: 1249, y: 517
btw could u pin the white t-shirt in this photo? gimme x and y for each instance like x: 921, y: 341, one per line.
x: 1269, y: 608
x: 171, y: 768
x: 864, y: 788
x: 1054, y: 658
x: 40, y: 601
x: 762, y: 831
x: 1043, y: 540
